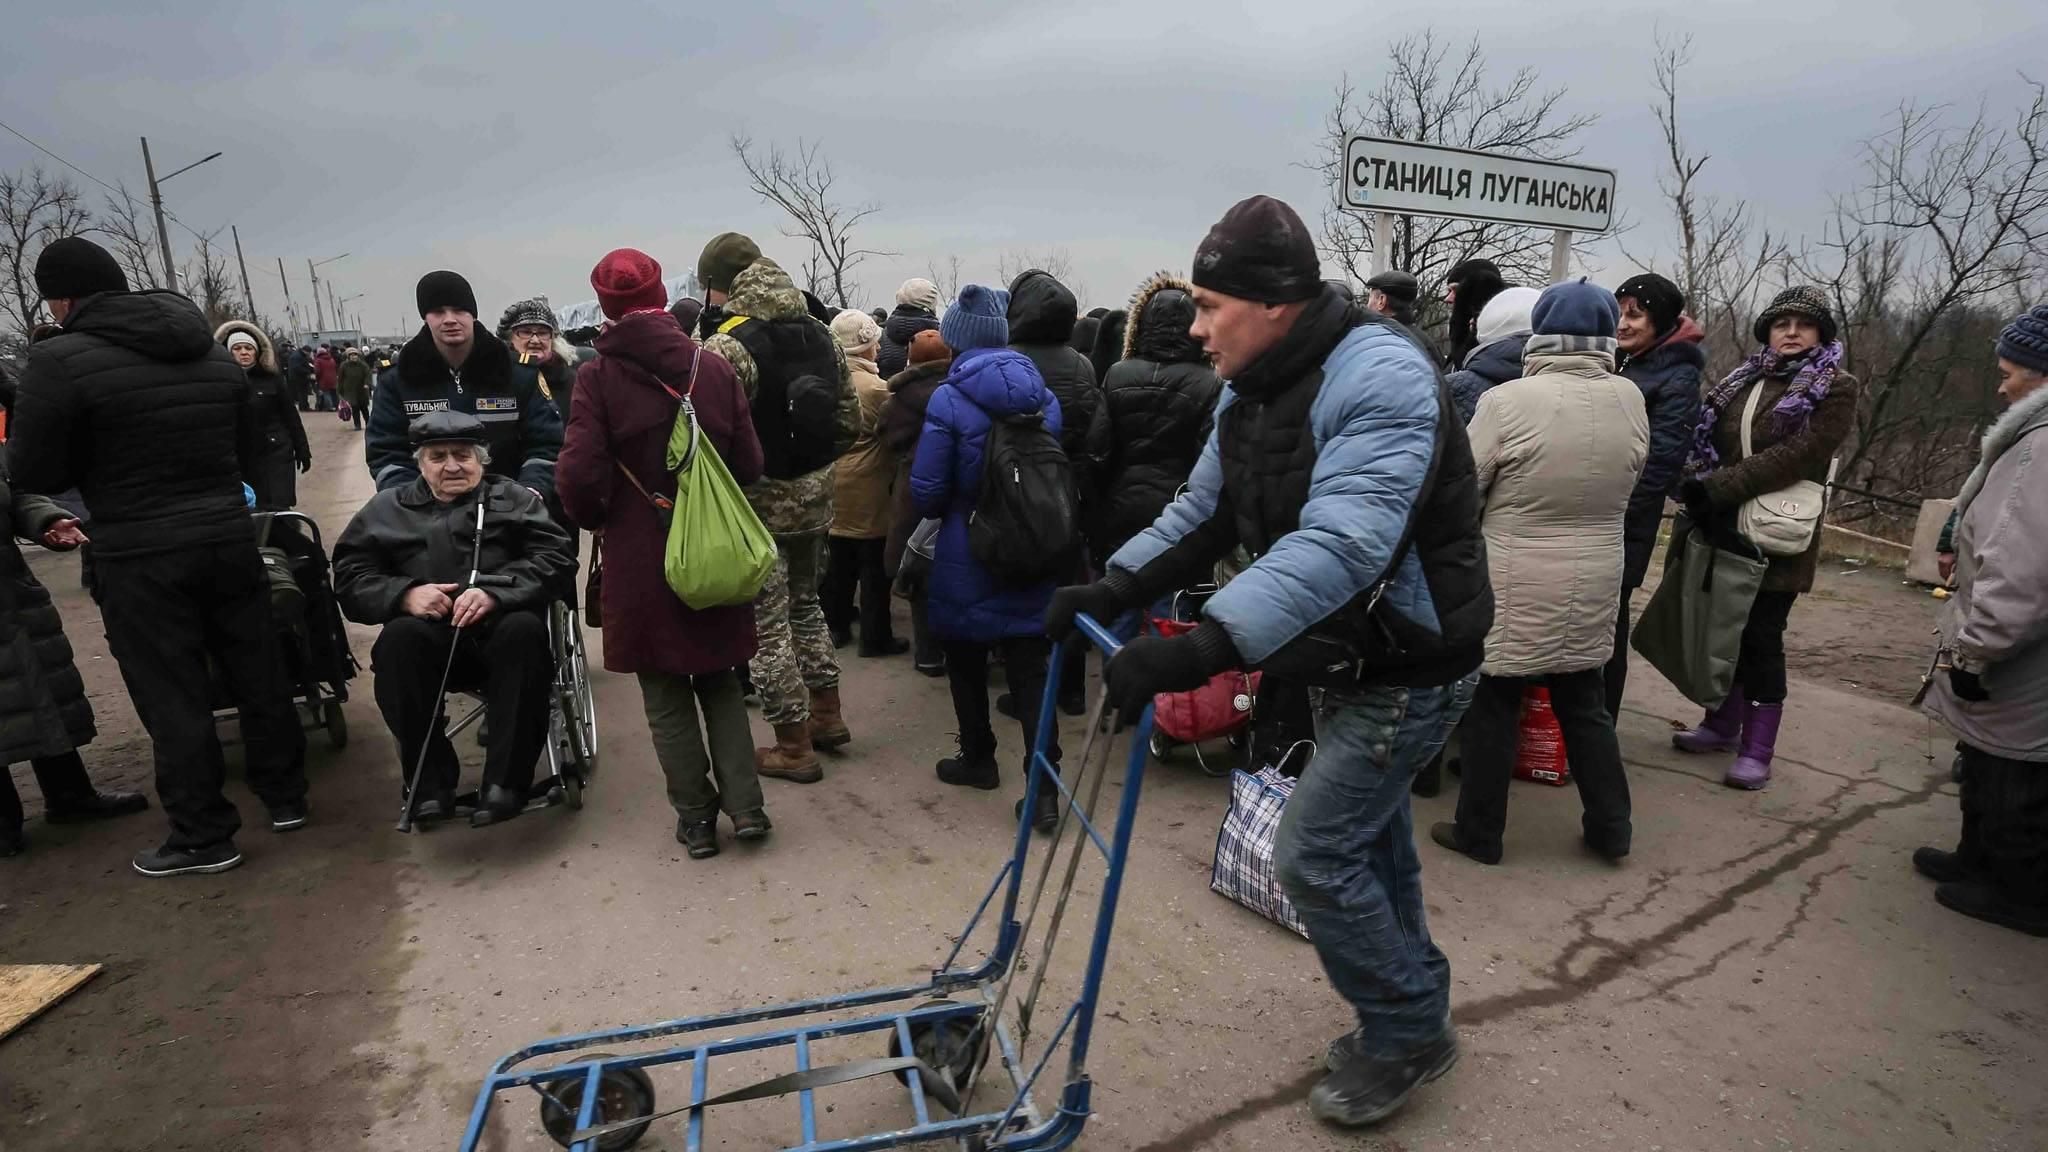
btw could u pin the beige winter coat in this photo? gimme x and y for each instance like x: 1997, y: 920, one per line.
x: 860, y: 501
x: 1996, y: 625
x: 1558, y: 452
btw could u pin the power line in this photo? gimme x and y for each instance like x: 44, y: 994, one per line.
x: 196, y: 234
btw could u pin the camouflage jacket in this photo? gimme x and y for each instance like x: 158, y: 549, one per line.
x: 765, y: 292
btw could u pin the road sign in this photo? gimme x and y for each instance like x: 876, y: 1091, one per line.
x: 1401, y: 176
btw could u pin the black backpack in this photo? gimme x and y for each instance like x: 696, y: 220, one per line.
x: 1023, y: 528
x: 796, y: 397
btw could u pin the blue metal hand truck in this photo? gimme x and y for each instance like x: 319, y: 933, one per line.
x: 592, y: 1100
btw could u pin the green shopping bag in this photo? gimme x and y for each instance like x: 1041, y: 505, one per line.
x: 1692, y: 629
x: 718, y: 551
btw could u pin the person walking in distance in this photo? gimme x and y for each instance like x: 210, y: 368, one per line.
x: 175, y: 567
x: 280, y: 435
x: 1340, y: 466
x: 1800, y: 406
x: 806, y: 415
x: 354, y: 386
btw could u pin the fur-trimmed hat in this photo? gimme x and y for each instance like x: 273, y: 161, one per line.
x: 1798, y: 300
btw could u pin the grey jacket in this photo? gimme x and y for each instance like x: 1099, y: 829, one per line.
x: 1996, y: 625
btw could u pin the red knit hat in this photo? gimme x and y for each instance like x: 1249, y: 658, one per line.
x: 628, y: 279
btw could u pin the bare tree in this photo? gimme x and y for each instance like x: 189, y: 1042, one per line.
x: 1924, y: 259
x: 131, y: 237
x: 1723, y: 255
x: 212, y: 284
x: 1429, y: 96
x: 35, y: 208
x: 801, y: 183
x: 1056, y: 262
x: 947, y: 279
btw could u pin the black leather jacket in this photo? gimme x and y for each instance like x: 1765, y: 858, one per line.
x: 404, y: 538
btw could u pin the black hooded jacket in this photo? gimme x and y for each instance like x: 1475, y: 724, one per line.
x: 523, y: 427
x: 1161, y: 398
x: 1042, y: 313
x: 137, y: 407
x: 903, y: 326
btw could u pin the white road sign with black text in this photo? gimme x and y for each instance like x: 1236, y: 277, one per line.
x: 1434, y: 180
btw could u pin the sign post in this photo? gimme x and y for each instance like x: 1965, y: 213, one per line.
x: 1386, y: 177
x: 1382, y: 242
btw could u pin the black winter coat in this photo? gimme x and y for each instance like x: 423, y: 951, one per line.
x: 910, y: 393
x: 137, y: 407
x: 1042, y: 313
x: 404, y: 538
x: 903, y: 326
x: 1669, y: 376
x: 281, y: 442
x: 43, y: 708
x: 523, y: 427
x: 1161, y: 399
x: 1489, y: 364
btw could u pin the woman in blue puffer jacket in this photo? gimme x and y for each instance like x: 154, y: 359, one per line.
x: 971, y: 610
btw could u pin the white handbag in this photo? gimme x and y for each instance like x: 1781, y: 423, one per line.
x: 1780, y: 523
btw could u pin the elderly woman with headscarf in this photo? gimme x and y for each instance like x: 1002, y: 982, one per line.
x: 1773, y: 422
x: 861, y: 503
x: 280, y: 437
x: 457, y: 560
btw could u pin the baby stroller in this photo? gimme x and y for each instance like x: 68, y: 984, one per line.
x: 312, y: 644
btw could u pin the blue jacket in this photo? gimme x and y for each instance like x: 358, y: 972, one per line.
x: 1669, y: 376
x: 963, y: 600
x: 1374, y: 424
x: 1488, y: 365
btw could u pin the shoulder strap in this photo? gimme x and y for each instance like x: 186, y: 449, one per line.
x: 1756, y: 392
x: 659, y: 503
x: 732, y: 323
x: 1423, y: 494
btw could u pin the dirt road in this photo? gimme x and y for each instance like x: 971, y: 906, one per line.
x: 1766, y: 971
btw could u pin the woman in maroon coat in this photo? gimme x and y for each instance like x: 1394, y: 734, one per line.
x: 616, y: 446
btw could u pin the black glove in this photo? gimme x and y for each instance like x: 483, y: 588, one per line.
x: 305, y: 465
x: 1967, y: 686
x: 1693, y: 494
x: 1103, y: 600
x: 1150, y: 665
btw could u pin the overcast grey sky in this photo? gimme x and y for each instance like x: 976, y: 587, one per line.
x: 518, y: 141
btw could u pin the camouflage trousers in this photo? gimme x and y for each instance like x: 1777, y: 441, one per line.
x: 795, y: 655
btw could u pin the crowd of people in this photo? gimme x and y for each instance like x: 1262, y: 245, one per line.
x: 1407, y: 530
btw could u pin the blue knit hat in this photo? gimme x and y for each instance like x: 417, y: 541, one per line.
x: 1575, y: 308
x: 978, y: 319
x: 2025, y: 340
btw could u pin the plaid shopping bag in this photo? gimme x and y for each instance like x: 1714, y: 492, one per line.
x: 1243, y: 871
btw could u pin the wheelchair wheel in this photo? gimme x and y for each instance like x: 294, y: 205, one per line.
x: 622, y: 1094
x: 955, y: 1046
x: 572, y: 789
x: 336, y: 723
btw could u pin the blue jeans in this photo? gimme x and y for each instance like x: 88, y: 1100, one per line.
x: 1345, y: 853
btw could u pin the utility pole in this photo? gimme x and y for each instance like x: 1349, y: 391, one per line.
x: 156, y: 204
x: 333, y: 307
x: 313, y: 270
x: 247, y: 297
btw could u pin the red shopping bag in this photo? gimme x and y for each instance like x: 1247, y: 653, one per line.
x: 1539, y: 751
x: 1211, y: 712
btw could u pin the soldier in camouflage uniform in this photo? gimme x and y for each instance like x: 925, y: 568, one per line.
x: 794, y: 670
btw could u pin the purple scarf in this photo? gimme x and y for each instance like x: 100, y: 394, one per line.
x: 1812, y: 371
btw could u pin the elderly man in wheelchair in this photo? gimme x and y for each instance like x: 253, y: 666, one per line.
x: 460, y: 569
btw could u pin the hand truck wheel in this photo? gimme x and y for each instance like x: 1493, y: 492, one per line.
x: 956, y: 1046
x: 622, y: 1093
x: 1160, y: 746
x: 572, y: 789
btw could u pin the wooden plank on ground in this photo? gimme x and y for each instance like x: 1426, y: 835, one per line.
x: 27, y: 989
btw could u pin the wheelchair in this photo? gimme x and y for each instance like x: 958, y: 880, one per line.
x: 570, y: 753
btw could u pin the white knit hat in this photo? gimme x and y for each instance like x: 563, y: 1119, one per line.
x: 1509, y: 313
x: 919, y: 292
x: 240, y: 337
x: 855, y: 329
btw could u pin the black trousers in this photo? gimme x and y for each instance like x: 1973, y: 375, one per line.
x: 1760, y: 668
x: 2005, y: 824
x: 62, y: 779
x: 1615, y: 676
x: 856, y: 566
x: 1024, y: 665
x: 166, y: 614
x: 1491, y: 732
x: 506, y: 654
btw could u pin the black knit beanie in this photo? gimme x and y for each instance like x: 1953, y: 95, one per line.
x: 1659, y: 297
x: 1259, y: 251
x: 445, y: 289
x: 73, y: 267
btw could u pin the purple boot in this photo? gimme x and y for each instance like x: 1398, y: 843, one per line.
x: 1752, y: 769
x: 1719, y: 731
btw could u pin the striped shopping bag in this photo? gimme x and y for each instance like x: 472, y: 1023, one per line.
x: 1243, y: 871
